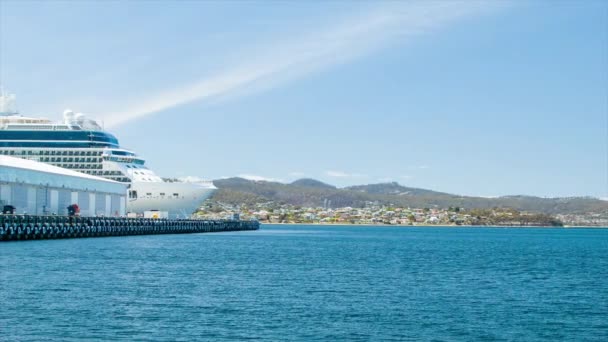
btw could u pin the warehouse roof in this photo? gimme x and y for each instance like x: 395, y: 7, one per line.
x: 42, y: 167
x: 17, y: 170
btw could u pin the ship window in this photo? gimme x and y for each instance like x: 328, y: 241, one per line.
x: 175, y: 194
x: 148, y: 194
x: 132, y: 194
x: 162, y: 194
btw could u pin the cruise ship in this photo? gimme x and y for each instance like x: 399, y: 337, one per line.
x: 81, y: 144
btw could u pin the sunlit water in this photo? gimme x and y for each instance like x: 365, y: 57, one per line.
x: 310, y: 283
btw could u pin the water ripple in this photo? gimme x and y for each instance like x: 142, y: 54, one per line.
x: 310, y: 283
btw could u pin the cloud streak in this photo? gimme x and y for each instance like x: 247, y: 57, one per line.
x: 260, y: 178
x: 342, y: 174
x: 299, y: 56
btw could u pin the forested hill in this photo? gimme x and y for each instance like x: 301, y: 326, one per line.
x: 313, y: 193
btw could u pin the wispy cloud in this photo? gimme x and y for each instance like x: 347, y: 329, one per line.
x: 260, y: 178
x: 342, y: 174
x: 394, y: 179
x: 298, y: 56
x: 297, y: 174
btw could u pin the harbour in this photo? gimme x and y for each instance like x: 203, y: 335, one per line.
x: 73, y: 180
x: 303, y: 171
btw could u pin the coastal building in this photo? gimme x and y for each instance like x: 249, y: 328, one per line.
x: 38, y: 188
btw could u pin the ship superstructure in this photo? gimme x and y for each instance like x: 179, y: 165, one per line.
x: 81, y: 144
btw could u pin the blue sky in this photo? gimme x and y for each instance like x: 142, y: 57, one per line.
x: 477, y: 98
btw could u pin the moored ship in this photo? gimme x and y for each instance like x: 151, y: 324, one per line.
x: 81, y: 144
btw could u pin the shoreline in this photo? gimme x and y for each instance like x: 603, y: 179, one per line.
x: 425, y: 225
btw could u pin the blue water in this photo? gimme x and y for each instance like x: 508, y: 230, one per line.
x: 310, y: 283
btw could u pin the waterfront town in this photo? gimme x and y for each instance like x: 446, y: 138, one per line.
x: 373, y: 214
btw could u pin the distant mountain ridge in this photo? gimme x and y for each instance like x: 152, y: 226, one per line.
x: 392, y: 188
x: 313, y: 193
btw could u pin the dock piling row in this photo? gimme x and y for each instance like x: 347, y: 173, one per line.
x: 27, y: 227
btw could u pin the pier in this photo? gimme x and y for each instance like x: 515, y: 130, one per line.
x: 30, y: 227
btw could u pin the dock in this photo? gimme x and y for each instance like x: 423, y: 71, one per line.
x: 37, y: 227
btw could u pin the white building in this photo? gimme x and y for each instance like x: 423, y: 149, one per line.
x: 42, y: 189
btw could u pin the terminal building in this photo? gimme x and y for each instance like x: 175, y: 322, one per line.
x: 41, y: 189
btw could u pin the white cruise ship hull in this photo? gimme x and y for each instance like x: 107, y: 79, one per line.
x: 81, y: 144
x: 179, y: 199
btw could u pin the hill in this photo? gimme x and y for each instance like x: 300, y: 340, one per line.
x: 313, y: 193
x: 311, y: 183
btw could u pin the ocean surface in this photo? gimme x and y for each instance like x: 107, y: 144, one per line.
x: 311, y: 283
